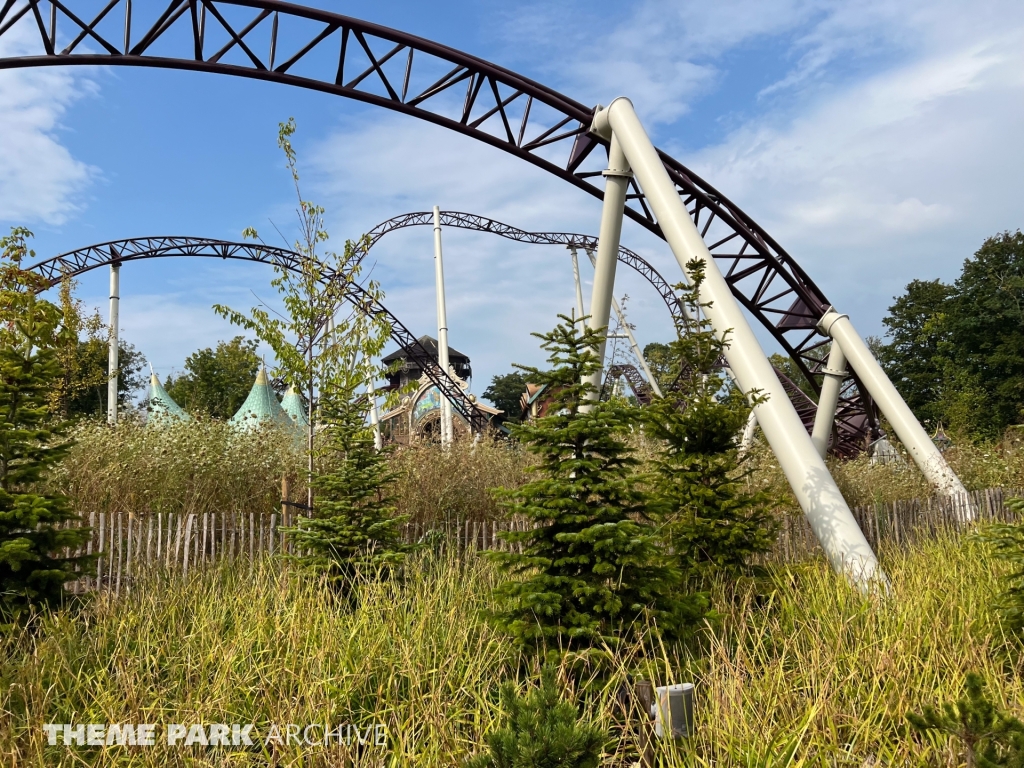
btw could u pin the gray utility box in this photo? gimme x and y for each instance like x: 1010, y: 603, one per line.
x: 673, y: 706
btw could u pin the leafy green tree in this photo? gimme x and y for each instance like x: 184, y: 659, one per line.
x: 32, y: 532
x: 985, y: 326
x: 82, y: 347
x: 505, y: 392
x: 915, y: 325
x: 217, y: 381
x: 709, y: 520
x: 90, y: 399
x: 990, y: 737
x: 659, y: 361
x: 957, y: 351
x: 312, y: 344
x: 80, y: 372
x: 542, y: 730
x: 591, y: 567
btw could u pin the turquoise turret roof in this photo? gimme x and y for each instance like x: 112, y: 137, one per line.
x: 260, y: 406
x: 162, y: 407
x: 294, y: 408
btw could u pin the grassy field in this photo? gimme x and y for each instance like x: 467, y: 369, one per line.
x: 802, y: 665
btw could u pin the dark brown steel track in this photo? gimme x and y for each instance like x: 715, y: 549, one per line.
x: 311, y: 48
x: 119, y: 251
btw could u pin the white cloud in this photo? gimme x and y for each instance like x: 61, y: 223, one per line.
x: 887, y: 149
x: 498, y: 291
x: 39, y: 178
x: 900, y: 175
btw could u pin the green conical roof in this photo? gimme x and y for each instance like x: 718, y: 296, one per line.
x: 294, y: 408
x: 261, y: 405
x: 161, y: 407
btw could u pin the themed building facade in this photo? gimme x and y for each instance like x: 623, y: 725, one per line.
x: 417, y: 418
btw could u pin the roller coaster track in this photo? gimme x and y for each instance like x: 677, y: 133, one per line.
x: 310, y: 48
x: 85, y: 259
x: 851, y: 428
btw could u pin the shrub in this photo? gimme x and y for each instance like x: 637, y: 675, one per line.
x: 709, y: 520
x: 591, y: 566
x: 990, y: 737
x: 354, y: 529
x: 1007, y: 542
x: 542, y: 731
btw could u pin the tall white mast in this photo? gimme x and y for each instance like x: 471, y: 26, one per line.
x: 115, y: 297
x: 442, y: 329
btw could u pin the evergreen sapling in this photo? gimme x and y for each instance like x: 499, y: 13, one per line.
x: 991, y: 738
x: 542, y: 731
x: 591, y: 568
x: 708, y: 518
x: 32, y: 532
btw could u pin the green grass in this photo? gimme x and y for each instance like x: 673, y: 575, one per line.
x: 809, y: 665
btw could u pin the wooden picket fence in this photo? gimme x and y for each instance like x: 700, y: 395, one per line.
x: 127, y: 544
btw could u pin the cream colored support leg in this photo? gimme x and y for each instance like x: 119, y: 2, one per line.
x: 828, y: 400
x: 922, y: 450
x: 616, y: 182
x: 815, y: 489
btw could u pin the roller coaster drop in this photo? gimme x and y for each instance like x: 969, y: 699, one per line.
x: 286, y: 43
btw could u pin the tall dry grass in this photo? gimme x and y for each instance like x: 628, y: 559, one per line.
x: 454, y: 484
x: 979, y: 466
x: 197, y: 466
x: 804, y: 665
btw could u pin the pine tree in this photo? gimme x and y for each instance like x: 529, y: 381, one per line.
x: 591, y: 566
x: 1007, y: 543
x: 543, y: 731
x: 355, y: 529
x: 31, y: 522
x: 990, y: 737
x: 708, y: 518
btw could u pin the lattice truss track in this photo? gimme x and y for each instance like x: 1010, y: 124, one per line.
x: 306, y: 47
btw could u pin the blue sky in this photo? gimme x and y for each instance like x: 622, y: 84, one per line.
x: 877, y: 141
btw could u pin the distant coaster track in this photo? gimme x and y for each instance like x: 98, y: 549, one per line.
x: 850, y: 427
x: 293, y: 45
x: 92, y: 257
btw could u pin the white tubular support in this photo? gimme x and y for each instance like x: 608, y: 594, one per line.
x: 616, y: 183
x: 112, y: 363
x: 371, y: 392
x: 632, y: 340
x: 815, y: 489
x: 580, y: 312
x: 747, y: 438
x: 442, y: 329
x: 924, y: 452
x: 828, y: 400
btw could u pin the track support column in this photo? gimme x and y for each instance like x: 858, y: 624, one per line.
x: 815, y: 489
x: 442, y: 330
x: 580, y: 312
x: 112, y: 363
x: 828, y: 400
x: 924, y: 452
x: 616, y: 183
x: 632, y: 340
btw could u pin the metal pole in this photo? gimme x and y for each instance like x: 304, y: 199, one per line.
x: 580, y: 312
x: 924, y: 452
x: 749, y: 430
x: 617, y: 178
x: 815, y: 489
x: 115, y: 298
x: 828, y: 400
x: 442, y: 329
x: 378, y: 442
x: 628, y: 331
